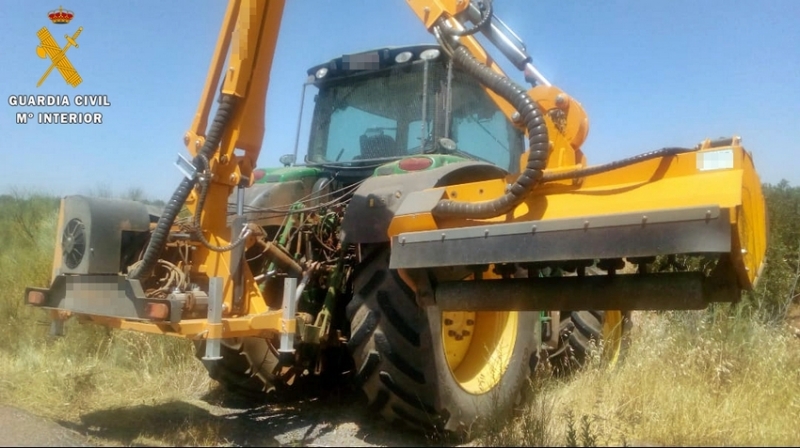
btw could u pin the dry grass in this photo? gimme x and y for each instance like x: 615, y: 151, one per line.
x: 91, y: 369
x: 717, y: 377
x: 690, y: 378
x: 66, y: 383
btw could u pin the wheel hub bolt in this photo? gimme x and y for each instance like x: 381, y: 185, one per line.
x: 459, y: 337
x: 465, y: 333
x: 451, y: 333
x: 448, y: 321
x: 470, y: 322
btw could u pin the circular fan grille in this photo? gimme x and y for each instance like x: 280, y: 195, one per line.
x: 73, y: 243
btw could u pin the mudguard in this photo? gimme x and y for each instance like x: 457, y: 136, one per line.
x: 374, y: 204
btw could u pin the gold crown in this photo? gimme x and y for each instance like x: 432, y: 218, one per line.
x: 60, y: 17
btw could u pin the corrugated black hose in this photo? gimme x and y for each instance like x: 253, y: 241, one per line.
x: 538, y: 143
x: 159, y: 237
x: 537, y: 136
x: 583, y: 172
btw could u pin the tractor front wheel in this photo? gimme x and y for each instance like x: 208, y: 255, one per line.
x: 434, y: 369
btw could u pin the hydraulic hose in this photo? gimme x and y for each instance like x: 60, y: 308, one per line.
x: 583, y: 172
x: 486, y: 15
x: 538, y: 143
x: 159, y: 237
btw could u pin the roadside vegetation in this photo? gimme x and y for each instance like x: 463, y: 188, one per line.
x: 727, y: 375
x: 91, y: 368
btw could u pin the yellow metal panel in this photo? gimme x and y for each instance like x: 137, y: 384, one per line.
x: 553, y: 202
x: 200, y: 121
x: 248, y: 77
x: 252, y: 293
x: 661, y: 183
x: 664, y: 183
x: 289, y: 325
x: 254, y: 325
x: 410, y: 223
x: 576, y: 123
x: 752, y: 221
x: 429, y: 11
x: 252, y: 43
x: 214, y: 331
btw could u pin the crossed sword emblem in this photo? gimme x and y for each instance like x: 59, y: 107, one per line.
x: 58, y: 56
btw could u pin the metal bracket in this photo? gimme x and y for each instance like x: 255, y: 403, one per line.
x: 57, y: 327
x: 215, y: 285
x: 186, y: 167
x: 237, y: 255
x: 289, y: 309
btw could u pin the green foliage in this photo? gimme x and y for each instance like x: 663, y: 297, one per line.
x: 777, y: 289
x: 23, y: 216
x: 28, y: 232
x: 137, y: 194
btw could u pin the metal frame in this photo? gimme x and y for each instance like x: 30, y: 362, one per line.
x: 657, y: 232
x: 658, y: 291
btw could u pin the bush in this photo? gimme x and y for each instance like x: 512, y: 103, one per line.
x: 777, y: 289
x: 91, y: 366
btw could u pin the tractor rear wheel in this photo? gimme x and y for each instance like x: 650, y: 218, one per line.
x: 247, y: 365
x: 583, y: 333
x: 428, y: 368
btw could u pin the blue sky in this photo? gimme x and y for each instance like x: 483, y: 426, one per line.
x: 649, y: 74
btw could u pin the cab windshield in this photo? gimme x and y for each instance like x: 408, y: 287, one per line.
x: 380, y: 116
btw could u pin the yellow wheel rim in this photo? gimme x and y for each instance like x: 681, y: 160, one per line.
x: 478, y: 347
x: 612, y: 337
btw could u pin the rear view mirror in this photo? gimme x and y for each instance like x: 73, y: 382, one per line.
x: 287, y: 159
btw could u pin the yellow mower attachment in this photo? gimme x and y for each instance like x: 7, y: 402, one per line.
x: 703, y: 202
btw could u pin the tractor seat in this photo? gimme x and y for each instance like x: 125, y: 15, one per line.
x: 378, y: 146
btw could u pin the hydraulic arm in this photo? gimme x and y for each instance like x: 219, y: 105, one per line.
x: 248, y: 38
x: 252, y: 26
x: 546, y: 114
x: 212, y: 274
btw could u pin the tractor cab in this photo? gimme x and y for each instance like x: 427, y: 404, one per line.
x: 382, y: 105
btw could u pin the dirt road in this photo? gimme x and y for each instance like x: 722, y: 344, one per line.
x: 20, y: 428
x: 339, y: 419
